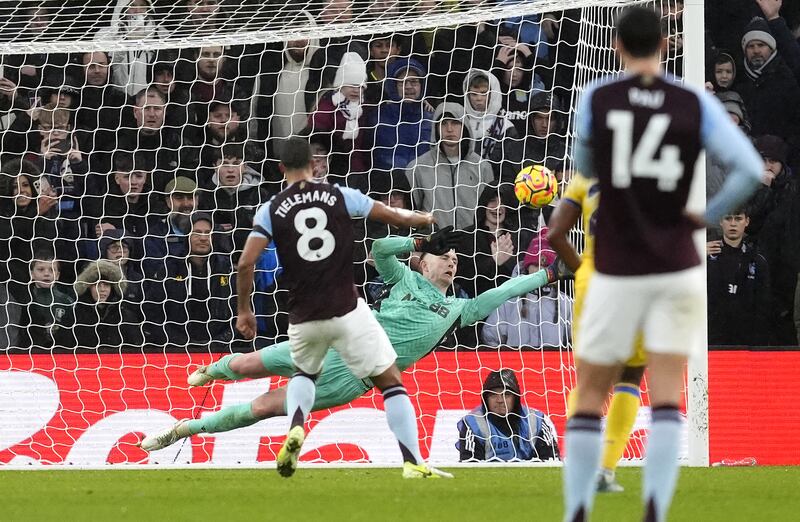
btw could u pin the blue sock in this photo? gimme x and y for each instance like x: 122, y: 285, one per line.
x: 584, y: 446
x: 402, y: 421
x: 300, y: 398
x: 661, y: 466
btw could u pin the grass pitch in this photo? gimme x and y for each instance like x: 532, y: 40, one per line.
x: 369, y: 494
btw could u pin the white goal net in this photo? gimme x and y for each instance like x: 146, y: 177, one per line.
x: 138, y: 138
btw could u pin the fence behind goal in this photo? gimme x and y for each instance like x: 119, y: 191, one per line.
x: 129, y: 127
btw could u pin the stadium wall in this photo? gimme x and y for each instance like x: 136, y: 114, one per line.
x: 88, y: 410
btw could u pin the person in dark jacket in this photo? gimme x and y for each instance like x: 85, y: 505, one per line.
x: 102, y: 319
x: 545, y: 142
x: 489, y: 253
x: 403, y: 121
x: 168, y: 228
x: 502, y: 428
x: 115, y: 246
x: 768, y: 87
x: 235, y: 198
x: 190, y: 300
x: 775, y: 223
x: 48, y: 313
x: 739, y: 310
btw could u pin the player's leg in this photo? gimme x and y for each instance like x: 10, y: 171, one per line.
x: 608, y: 324
x: 619, y: 422
x: 665, y: 382
x: 309, y: 344
x: 366, y: 350
x: 270, y: 404
x: 671, y: 330
x: 268, y: 361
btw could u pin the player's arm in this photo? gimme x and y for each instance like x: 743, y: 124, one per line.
x: 564, y: 218
x: 483, y: 305
x: 729, y: 146
x: 256, y: 242
x: 582, y: 149
x: 359, y: 205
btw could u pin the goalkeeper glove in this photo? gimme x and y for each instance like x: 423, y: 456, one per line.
x: 439, y: 242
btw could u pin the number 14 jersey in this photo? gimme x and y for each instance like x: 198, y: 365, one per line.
x: 643, y: 136
x: 310, y: 224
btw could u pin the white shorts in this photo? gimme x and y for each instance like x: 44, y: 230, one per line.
x: 669, y: 309
x: 357, y: 336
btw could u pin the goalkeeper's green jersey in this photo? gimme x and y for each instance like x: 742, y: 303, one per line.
x: 416, y: 316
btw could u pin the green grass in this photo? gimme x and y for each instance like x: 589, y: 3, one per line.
x: 724, y: 494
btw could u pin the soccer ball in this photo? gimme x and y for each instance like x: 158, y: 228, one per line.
x: 535, y: 186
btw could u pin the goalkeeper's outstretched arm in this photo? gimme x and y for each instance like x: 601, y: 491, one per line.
x: 480, y: 307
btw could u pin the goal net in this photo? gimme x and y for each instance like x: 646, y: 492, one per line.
x: 140, y: 136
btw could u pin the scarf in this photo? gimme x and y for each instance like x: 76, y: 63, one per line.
x: 351, y: 111
x: 755, y: 74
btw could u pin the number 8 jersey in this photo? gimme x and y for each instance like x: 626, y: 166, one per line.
x: 310, y: 224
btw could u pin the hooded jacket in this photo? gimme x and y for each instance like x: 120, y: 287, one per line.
x: 290, y: 110
x: 490, y: 129
x: 129, y: 69
x: 403, y: 127
x: 106, y: 324
x: 235, y: 206
x: 449, y: 187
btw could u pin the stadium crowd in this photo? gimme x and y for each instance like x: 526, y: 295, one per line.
x: 130, y: 179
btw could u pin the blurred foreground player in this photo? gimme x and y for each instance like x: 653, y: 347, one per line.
x: 311, y: 226
x: 641, y: 136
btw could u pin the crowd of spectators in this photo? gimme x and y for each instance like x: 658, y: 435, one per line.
x: 753, y: 56
x: 130, y: 179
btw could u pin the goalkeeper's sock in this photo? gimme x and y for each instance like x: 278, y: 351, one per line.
x: 584, y: 443
x: 661, y: 466
x: 222, y: 368
x: 619, y: 423
x: 402, y: 421
x: 226, y: 419
x: 300, y: 398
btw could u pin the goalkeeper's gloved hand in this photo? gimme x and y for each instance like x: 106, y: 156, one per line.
x: 440, y: 242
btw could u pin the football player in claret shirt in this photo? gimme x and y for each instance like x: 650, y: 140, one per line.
x: 311, y: 226
x: 641, y: 135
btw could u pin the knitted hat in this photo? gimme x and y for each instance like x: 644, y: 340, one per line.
x: 539, y: 246
x: 115, y: 235
x: 772, y: 147
x: 352, y: 71
x: 758, y: 29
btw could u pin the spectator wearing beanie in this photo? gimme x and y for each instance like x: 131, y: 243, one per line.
x: 775, y: 223
x: 340, y: 117
x: 716, y: 173
x: 769, y: 89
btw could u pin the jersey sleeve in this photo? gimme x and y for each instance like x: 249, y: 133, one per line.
x: 583, y: 128
x: 358, y: 205
x: 384, y: 253
x: 483, y: 305
x: 262, y: 222
x: 729, y: 146
x: 577, y: 190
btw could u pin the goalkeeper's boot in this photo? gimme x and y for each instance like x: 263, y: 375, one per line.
x: 559, y: 271
x: 287, y: 456
x: 199, y: 377
x: 165, y: 438
x: 415, y: 471
x: 607, y: 483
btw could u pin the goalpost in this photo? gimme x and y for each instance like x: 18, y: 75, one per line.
x: 79, y: 405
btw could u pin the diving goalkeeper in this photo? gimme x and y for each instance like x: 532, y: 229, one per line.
x: 417, y: 315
